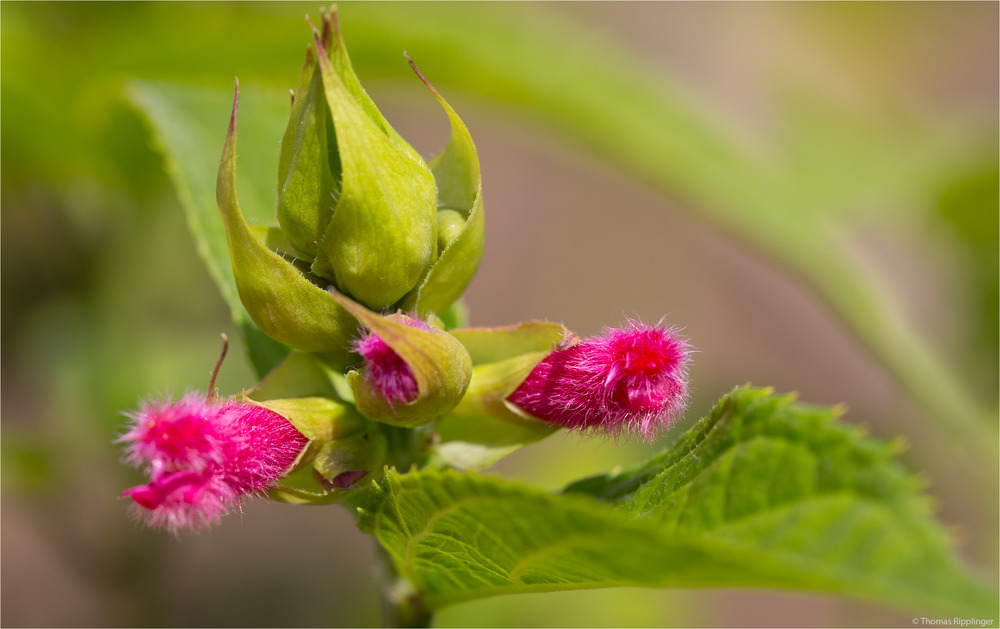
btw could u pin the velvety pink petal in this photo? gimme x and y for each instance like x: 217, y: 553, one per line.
x: 630, y: 379
x: 385, y: 369
x: 203, y: 457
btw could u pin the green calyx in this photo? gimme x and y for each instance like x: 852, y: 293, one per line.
x: 345, y: 451
x: 439, y: 363
x: 483, y: 428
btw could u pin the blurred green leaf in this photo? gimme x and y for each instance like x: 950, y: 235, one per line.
x: 968, y: 206
x: 28, y: 466
x: 189, y: 125
x: 762, y: 492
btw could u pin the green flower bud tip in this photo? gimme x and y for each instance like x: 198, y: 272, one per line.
x: 358, y: 210
x: 450, y: 224
x: 382, y: 235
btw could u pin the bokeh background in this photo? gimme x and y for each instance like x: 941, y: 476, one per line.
x: 105, y: 300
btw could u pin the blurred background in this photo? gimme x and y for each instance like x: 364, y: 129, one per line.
x: 880, y: 117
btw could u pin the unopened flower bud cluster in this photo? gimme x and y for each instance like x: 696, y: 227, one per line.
x: 361, y: 277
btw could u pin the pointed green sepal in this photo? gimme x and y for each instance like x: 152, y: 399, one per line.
x: 456, y: 316
x: 279, y: 298
x: 483, y: 428
x: 383, y: 234
x: 275, y: 240
x: 493, y: 344
x: 461, y: 223
x: 439, y: 363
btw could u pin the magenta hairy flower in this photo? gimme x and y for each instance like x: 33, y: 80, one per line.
x: 630, y: 379
x: 384, y: 368
x: 203, y: 456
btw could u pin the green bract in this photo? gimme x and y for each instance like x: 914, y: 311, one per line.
x: 358, y: 210
x: 344, y: 449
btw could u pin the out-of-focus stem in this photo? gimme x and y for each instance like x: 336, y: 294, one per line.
x: 890, y: 337
x: 402, y: 605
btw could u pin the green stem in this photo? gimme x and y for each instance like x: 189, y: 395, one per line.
x: 406, y: 447
x: 402, y: 604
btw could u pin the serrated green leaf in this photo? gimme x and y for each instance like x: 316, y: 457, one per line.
x: 762, y: 492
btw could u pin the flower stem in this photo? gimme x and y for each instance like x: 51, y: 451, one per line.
x: 402, y: 604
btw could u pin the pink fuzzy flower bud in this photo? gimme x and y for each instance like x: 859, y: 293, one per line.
x: 631, y: 379
x: 203, y: 457
x: 384, y: 368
